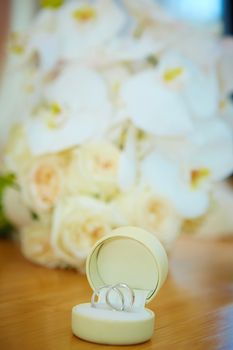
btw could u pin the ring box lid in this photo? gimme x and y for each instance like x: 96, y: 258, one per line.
x: 128, y: 255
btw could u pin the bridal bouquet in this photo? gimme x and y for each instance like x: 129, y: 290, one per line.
x: 117, y: 115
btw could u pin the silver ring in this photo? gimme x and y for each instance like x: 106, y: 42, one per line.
x: 96, y: 293
x: 124, y: 285
x: 121, y: 295
x: 115, y: 288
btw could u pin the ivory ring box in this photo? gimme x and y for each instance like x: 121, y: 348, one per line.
x: 128, y: 255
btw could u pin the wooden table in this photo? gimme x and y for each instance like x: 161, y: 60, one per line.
x: 194, y: 308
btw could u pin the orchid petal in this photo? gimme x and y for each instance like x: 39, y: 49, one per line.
x: 76, y: 130
x: 197, y: 86
x: 107, y: 21
x: 153, y: 107
x: 165, y: 179
x: 79, y: 98
x: 212, y: 148
x: 202, y: 94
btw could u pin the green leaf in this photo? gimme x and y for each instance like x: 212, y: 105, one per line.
x: 6, y: 180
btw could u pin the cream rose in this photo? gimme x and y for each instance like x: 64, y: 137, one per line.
x: 141, y: 208
x: 36, y: 245
x: 43, y: 181
x: 78, y: 223
x: 94, y: 170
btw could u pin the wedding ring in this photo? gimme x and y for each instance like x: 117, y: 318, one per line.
x: 120, y: 294
x: 95, y: 294
x: 131, y: 292
x: 113, y: 288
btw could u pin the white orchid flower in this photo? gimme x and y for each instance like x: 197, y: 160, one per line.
x: 40, y: 42
x: 183, y: 174
x: 87, y: 25
x: 163, y: 176
x: 83, y: 26
x: 206, y: 154
x: 198, y: 87
x: 166, y: 100
x: 44, y: 41
x: 153, y: 107
x: 46, y: 47
x: 211, y: 148
x: 77, y: 109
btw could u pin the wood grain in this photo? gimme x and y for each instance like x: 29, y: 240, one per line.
x: 194, y: 309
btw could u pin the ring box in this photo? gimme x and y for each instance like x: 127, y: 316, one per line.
x: 128, y: 255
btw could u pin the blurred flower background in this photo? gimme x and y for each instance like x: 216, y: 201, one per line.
x: 114, y: 113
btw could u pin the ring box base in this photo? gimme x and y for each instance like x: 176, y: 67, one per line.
x: 106, y: 326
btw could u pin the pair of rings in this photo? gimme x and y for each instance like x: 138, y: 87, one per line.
x: 116, y: 288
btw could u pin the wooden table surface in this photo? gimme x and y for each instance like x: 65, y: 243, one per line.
x: 194, y: 309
